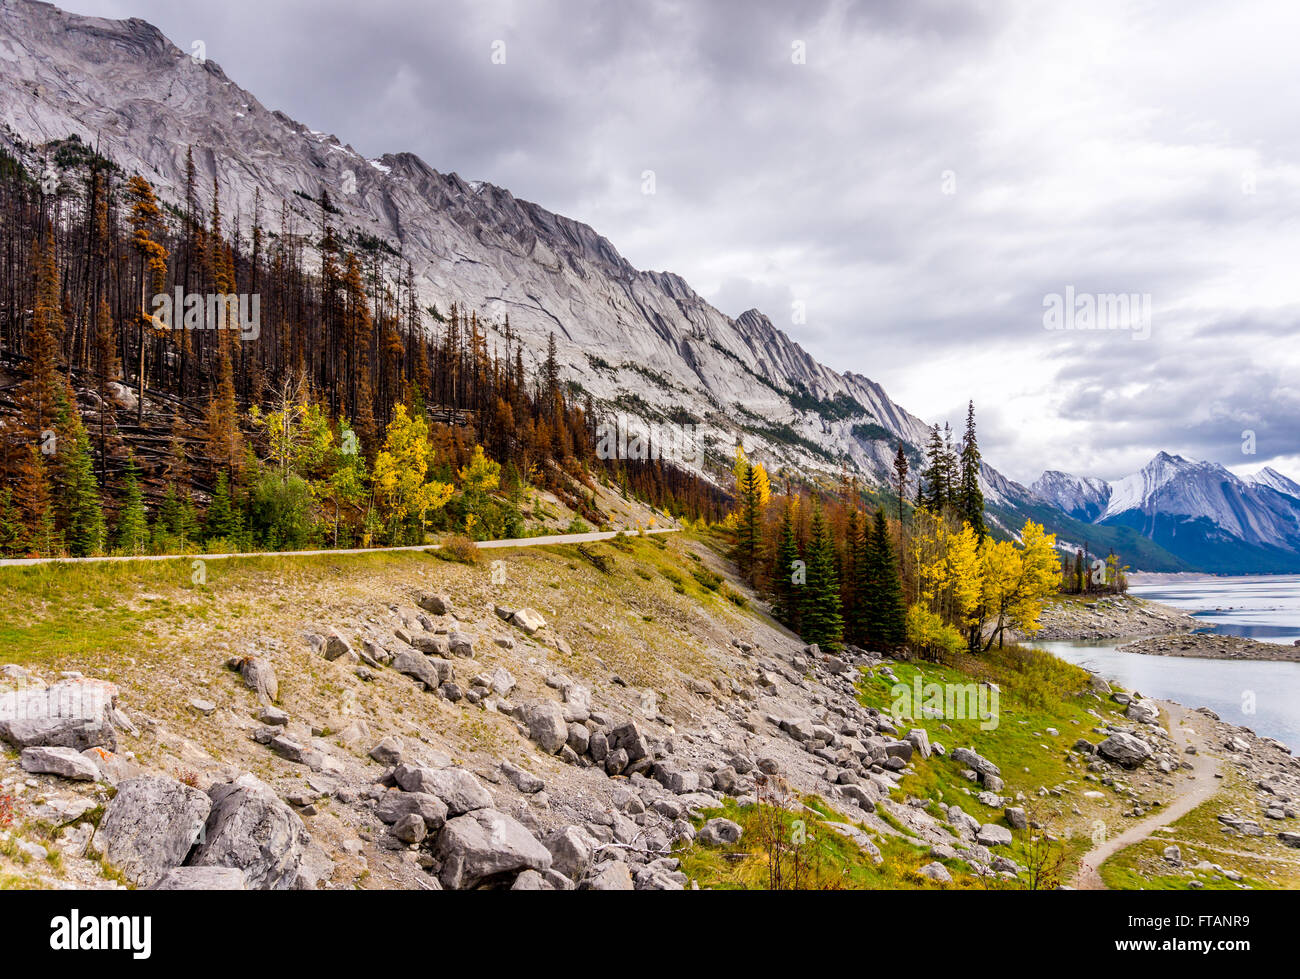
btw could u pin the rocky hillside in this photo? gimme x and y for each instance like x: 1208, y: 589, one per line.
x: 602, y: 716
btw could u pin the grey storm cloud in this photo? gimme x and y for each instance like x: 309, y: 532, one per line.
x: 920, y: 183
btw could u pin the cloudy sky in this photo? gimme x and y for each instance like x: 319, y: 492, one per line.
x: 921, y: 175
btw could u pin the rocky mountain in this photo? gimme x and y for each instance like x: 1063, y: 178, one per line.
x: 1082, y: 497
x: 1198, y: 512
x: 641, y: 343
x: 1274, y: 480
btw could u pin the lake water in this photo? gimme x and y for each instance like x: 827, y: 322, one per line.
x: 1262, y: 696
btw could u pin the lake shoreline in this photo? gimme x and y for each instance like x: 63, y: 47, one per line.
x: 1205, y: 645
x: 1067, y: 617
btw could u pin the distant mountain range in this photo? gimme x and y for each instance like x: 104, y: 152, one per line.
x: 1189, y: 516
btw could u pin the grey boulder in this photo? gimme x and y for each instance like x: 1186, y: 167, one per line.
x: 149, y: 827
x: 69, y: 714
x: 485, y: 848
x: 460, y: 791
x: 251, y: 829
x: 65, y: 762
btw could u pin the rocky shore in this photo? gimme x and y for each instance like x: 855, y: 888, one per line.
x: 1110, y: 617
x: 1209, y: 646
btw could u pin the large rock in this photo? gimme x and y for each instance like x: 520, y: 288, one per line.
x: 435, y: 603
x: 991, y: 834
x: 628, y: 737
x: 525, y: 782
x: 972, y: 759
x: 201, y: 879
x: 485, y: 848
x: 546, y: 725
x: 527, y: 619
x: 259, y: 674
x: 430, y: 644
x: 1124, y: 749
x: 571, y: 851
x: 393, y: 805
x: 149, y: 827
x: 612, y: 876
x: 459, y: 790
x: 936, y: 872
x: 65, y: 762
x: 335, y: 646
x: 1143, y: 711
x: 420, y: 667
x: 252, y: 830
x: 719, y: 832
x: 919, y: 739
x: 69, y: 714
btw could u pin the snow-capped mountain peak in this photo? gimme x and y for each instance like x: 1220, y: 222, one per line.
x: 1274, y: 480
x: 1082, y: 497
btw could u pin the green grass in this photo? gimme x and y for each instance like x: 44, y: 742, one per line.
x: 1200, y: 837
x: 77, y: 611
x: 831, y: 861
x: 1037, y: 692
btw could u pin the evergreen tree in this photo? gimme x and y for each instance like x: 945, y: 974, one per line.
x: 12, y: 533
x: 934, y: 475
x: 950, y: 477
x: 858, y: 590
x: 78, y: 504
x: 900, y: 479
x: 133, y: 521
x: 749, y: 536
x: 222, y: 520
x: 822, y: 622
x: 787, y: 582
x: 970, y: 498
x: 888, y: 612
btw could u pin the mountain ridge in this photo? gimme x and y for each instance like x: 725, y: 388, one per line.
x: 469, y: 242
x: 1198, y: 511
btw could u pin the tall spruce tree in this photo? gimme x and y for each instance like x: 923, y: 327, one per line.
x: 822, y: 620
x: 133, y: 519
x: 749, y: 538
x: 888, y: 614
x: 901, y: 469
x: 970, y: 498
x: 857, y: 584
x: 222, y: 520
x: 79, y: 507
x: 787, y: 580
x: 933, y: 491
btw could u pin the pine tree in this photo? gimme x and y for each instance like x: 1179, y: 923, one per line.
x: 950, y: 478
x: 79, y: 507
x: 970, y: 498
x: 934, y: 475
x: 749, y: 536
x: 857, y: 573
x: 900, y: 479
x: 12, y: 533
x: 822, y: 622
x: 787, y: 580
x: 33, y: 503
x: 222, y: 520
x: 147, y: 228
x: 888, y: 612
x: 40, y: 392
x: 133, y: 520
